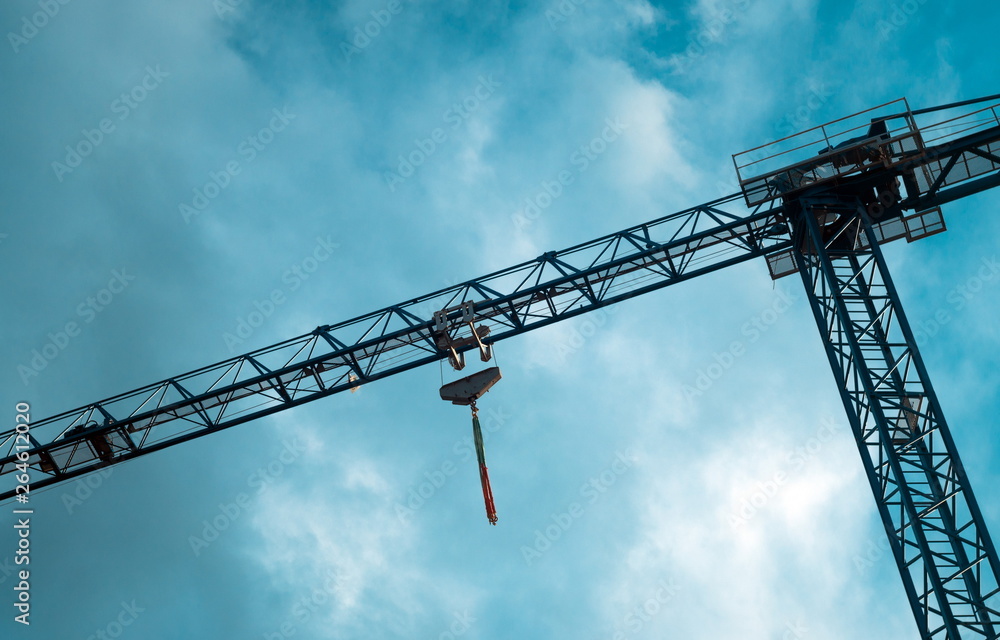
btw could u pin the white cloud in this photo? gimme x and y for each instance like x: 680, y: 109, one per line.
x: 782, y: 563
x: 653, y: 150
x: 643, y: 13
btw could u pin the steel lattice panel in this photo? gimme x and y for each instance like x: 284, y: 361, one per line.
x: 947, y: 561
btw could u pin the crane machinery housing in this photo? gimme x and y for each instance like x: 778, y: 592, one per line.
x: 819, y: 203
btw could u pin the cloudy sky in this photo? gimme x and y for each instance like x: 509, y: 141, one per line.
x: 168, y: 166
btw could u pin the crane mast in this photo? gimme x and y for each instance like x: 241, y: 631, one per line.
x: 936, y: 531
x: 819, y: 203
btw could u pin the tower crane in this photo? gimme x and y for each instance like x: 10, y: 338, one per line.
x: 819, y: 203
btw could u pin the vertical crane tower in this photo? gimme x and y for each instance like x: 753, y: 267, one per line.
x: 819, y: 203
x: 841, y: 204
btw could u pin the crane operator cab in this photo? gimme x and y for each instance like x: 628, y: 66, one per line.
x: 848, y: 156
x: 838, y: 151
x: 860, y: 150
x: 858, y: 162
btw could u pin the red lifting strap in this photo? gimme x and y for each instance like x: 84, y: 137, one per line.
x: 484, y: 476
x: 491, y: 510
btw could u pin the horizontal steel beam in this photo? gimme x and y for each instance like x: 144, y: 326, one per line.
x: 334, y: 358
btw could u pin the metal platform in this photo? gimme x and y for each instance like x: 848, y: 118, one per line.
x: 883, y: 136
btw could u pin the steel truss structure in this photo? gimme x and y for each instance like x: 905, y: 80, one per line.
x: 936, y: 531
x: 335, y: 358
x: 854, y: 187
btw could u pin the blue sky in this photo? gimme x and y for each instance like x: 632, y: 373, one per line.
x: 300, y: 123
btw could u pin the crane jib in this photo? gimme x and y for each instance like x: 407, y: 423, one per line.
x: 319, y: 364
